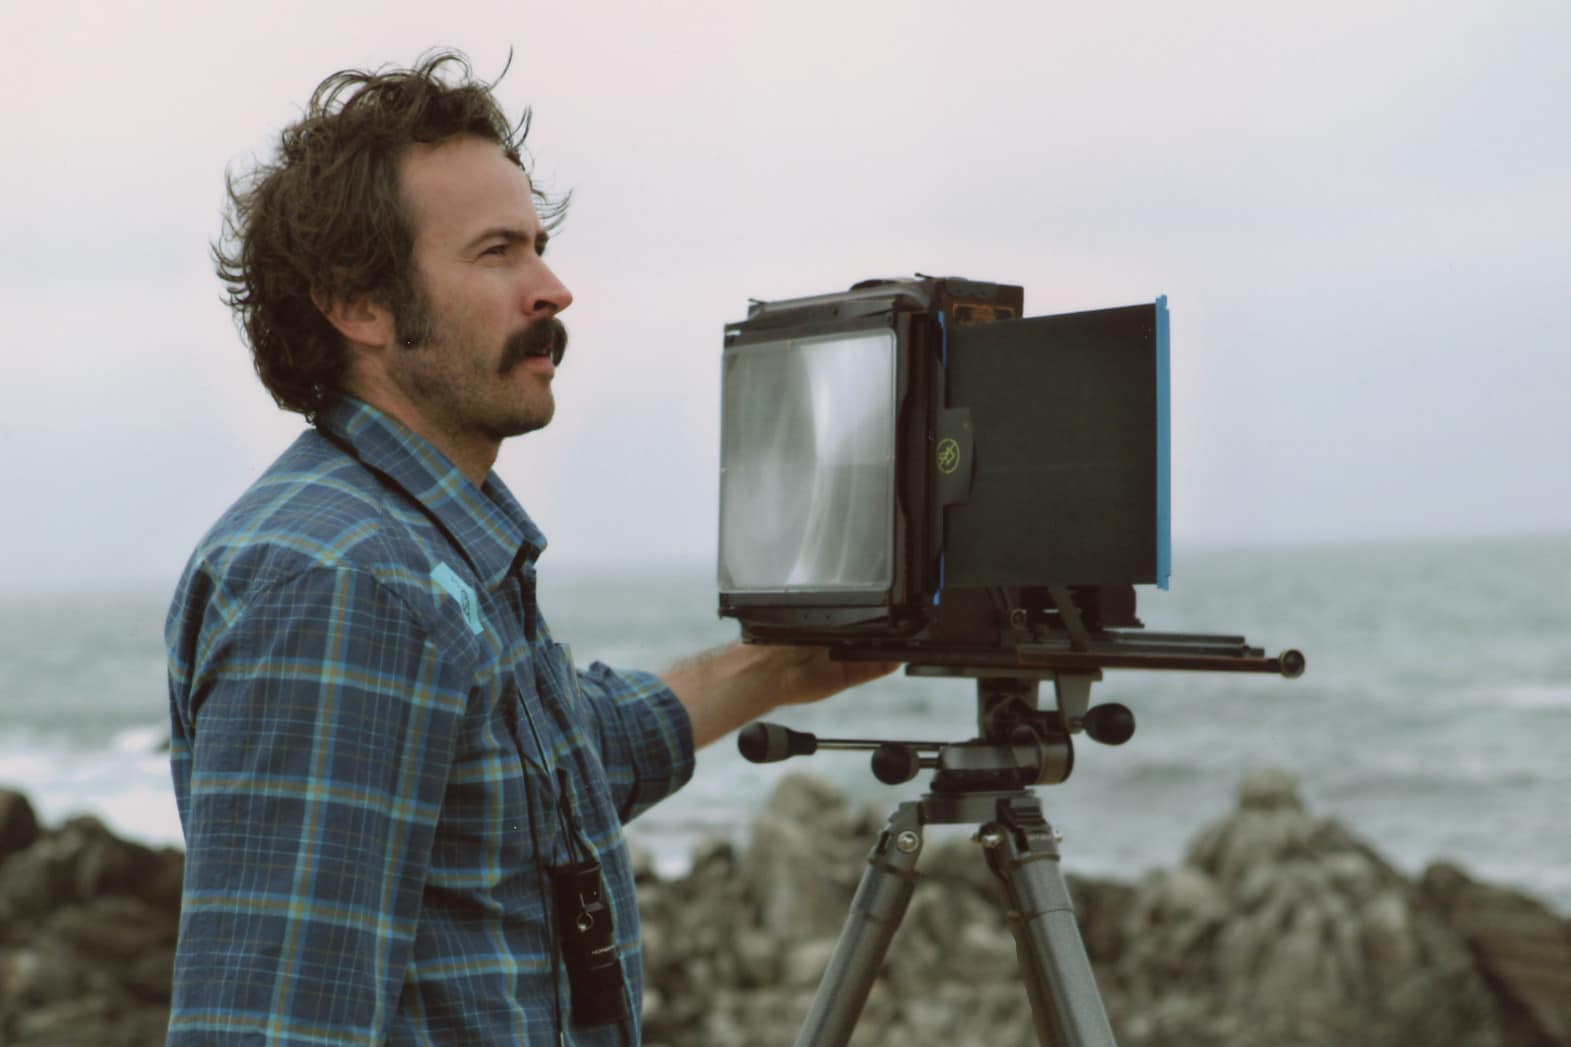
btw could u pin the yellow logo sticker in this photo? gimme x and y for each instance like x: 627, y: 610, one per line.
x: 948, y: 455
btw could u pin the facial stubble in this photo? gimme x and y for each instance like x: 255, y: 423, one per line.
x: 545, y: 337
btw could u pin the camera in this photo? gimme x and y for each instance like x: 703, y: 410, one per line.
x: 912, y: 470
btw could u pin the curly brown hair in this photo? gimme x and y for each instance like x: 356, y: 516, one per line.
x: 324, y: 222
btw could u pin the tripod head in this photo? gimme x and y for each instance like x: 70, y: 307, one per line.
x: 1018, y: 743
x: 986, y: 782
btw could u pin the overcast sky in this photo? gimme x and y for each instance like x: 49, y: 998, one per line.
x: 1360, y: 212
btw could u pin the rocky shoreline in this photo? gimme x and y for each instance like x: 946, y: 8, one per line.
x: 1277, y: 928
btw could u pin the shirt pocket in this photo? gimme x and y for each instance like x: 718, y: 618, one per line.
x: 578, y: 747
x: 579, y: 750
x: 533, y: 786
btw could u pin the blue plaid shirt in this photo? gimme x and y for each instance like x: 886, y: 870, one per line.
x: 372, y: 734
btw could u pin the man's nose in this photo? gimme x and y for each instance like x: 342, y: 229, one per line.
x: 547, y: 293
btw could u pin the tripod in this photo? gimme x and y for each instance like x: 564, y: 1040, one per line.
x: 987, y: 783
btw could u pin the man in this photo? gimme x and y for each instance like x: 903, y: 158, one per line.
x: 381, y: 756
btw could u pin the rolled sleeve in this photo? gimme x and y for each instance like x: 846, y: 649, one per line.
x: 645, y: 735
x: 319, y: 733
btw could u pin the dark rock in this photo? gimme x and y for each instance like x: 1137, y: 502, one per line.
x: 33, y: 881
x: 41, y: 973
x: 1279, y: 928
x: 1283, y: 915
x: 797, y: 892
x: 83, y: 860
x: 18, y: 824
x: 1100, y: 907
x: 150, y: 976
x: 77, y: 1021
x: 1522, y: 947
x: 102, y: 863
x: 114, y: 929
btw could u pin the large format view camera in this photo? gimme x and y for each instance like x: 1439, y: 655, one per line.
x: 912, y: 471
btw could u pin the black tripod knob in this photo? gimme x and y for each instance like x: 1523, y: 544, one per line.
x: 1110, y: 723
x: 894, y: 763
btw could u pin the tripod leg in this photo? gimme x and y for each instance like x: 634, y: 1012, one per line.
x: 1065, y: 1002
x: 876, y: 911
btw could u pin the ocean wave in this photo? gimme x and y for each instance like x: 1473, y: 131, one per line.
x: 126, y: 785
x: 1534, y: 696
x: 141, y: 740
x: 1411, y: 774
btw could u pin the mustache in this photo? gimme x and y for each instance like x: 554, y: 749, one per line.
x: 543, y: 337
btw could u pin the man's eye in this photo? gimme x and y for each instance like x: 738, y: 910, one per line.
x: 498, y: 249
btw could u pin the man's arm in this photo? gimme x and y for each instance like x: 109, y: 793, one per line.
x: 648, y: 726
x: 732, y: 686
x: 320, y: 732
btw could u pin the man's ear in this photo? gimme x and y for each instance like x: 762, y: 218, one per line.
x: 362, y: 321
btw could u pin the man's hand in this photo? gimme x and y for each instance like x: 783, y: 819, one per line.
x: 732, y: 686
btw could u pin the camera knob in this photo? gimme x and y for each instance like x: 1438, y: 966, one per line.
x: 1110, y: 723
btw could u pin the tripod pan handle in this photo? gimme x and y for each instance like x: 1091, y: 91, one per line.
x: 771, y: 743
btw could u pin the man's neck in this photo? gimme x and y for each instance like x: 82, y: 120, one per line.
x: 471, y: 453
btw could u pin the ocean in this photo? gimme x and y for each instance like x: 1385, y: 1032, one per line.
x: 1434, y: 719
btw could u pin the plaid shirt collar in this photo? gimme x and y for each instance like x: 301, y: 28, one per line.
x: 486, y: 523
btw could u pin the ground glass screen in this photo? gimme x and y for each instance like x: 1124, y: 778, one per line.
x: 807, y: 459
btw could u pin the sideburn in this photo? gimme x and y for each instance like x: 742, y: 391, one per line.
x: 413, y: 323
